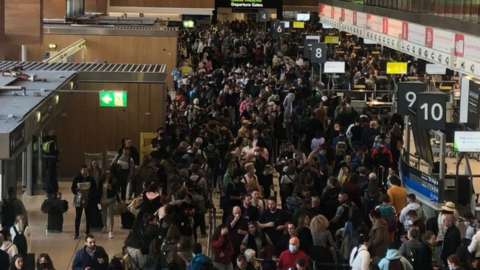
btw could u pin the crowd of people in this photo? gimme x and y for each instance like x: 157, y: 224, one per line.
x: 244, y: 115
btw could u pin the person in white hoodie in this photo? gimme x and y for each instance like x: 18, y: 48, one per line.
x: 360, y: 257
x: 474, y: 246
x: 8, y: 246
x: 20, y: 227
x: 412, y: 205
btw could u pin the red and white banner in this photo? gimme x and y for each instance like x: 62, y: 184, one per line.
x: 468, y: 47
x: 321, y: 7
x: 442, y: 41
x: 414, y: 33
x: 348, y: 16
x: 394, y: 27
x: 337, y: 14
x: 361, y: 19
x: 375, y: 23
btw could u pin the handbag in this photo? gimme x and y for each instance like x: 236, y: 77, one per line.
x: 119, y: 208
x: 345, y: 248
x: 77, y: 200
x: 134, y: 206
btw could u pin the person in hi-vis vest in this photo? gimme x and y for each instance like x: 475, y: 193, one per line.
x: 50, y: 150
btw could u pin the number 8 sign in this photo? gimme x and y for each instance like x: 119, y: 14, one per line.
x: 407, y: 96
x: 319, y: 53
x: 278, y: 29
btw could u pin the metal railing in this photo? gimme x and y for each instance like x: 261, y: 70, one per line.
x: 70, y: 50
x: 466, y: 10
x: 212, y: 224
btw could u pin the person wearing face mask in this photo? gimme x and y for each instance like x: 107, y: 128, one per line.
x: 44, y: 262
x: 90, y: 257
x: 412, y: 220
x: 412, y: 205
x: 250, y: 178
x: 289, y: 258
x: 85, y: 190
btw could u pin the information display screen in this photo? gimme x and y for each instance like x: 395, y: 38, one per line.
x: 303, y: 17
x: 331, y: 39
x: 473, y: 102
x: 298, y: 24
x: 467, y: 141
x: 421, y: 182
x: 396, y: 68
x: 249, y: 3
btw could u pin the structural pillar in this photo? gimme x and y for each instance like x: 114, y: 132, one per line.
x: 2, y: 181
x: 24, y: 53
x: 39, y: 162
x: 28, y: 169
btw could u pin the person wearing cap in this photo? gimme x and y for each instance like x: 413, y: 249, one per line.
x: 288, y: 259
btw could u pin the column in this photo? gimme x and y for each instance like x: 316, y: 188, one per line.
x: 39, y: 162
x: 2, y: 180
x: 24, y: 53
x: 28, y: 169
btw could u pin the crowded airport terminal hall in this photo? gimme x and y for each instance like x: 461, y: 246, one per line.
x: 239, y: 134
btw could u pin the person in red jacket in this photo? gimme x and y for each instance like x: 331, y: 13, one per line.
x: 288, y: 258
x: 222, y: 249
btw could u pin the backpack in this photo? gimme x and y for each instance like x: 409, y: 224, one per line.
x: 21, y: 242
x: 341, y: 148
x: 293, y: 203
x: 382, y: 158
x: 395, y: 264
x: 432, y: 225
x: 198, y: 200
x: 8, y: 214
x: 391, y: 223
x: 212, y: 159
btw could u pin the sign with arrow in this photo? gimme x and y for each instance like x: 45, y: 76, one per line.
x: 113, y: 99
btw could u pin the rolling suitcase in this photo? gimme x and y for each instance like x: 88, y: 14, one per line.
x: 127, y: 220
x: 96, y: 222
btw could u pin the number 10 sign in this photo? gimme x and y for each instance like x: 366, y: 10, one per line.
x: 431, y: 110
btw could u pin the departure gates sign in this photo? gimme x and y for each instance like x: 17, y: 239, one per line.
x: 247, y: 3
x: 113, y: 99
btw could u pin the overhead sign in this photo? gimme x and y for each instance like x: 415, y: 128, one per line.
x: 467, y: 141
x: 278, y: 29
x: 307, y: 47
x: 407, y: 96
x: 262, y: 16
x: 318, y: 53
x: 334, y: 67
x: 396, y: 68
x: 431, y: 110
x: 113, y: 99
x: 331, y: 39
x: 298, y: 25
x: 434, y: 69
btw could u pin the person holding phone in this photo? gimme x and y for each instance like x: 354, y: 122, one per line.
x: 91, y: 256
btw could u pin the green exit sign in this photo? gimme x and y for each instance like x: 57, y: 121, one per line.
x: 113, y: 99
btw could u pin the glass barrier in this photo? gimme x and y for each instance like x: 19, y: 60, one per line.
x: 466, y: 10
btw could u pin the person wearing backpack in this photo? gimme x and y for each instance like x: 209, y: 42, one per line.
x: 382, y: 160
x: 21, y: 235
x: 197, y: 198
x: 409, y: 249
x: 12, y: 207
x: 7, y: 246
x: 394, y: 261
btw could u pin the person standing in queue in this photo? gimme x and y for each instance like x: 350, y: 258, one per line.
x: 160, y: 146
x: 124, y: 168
x: 90, y: 257
x: 84, y: 190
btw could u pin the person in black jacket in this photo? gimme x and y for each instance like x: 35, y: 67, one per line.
x: 85, y: 190
x: 4, y: 257
x: 91, y: 256
x: 423, y: 257
x: 452, y: 238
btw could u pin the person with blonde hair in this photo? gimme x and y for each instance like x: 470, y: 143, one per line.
x: 321, y: 236
x: 17, y: 230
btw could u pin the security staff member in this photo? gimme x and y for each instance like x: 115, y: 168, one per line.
x: 50, y: 150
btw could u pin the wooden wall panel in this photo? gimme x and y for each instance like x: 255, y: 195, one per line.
x: 116, y: 49
x: 100, y: 6
x: 23, y: 21
x: 164, y: 3
x: 87, y: 127
x: 54, y: 9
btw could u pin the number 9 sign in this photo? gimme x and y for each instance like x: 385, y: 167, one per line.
x: 407, y: 96
x: 278, y: 29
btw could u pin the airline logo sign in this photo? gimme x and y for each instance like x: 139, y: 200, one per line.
x: 360, y: 19
x: 376, y: 23
x: 337, y: 14
x: 348, y: 16
x: 394, y: 27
